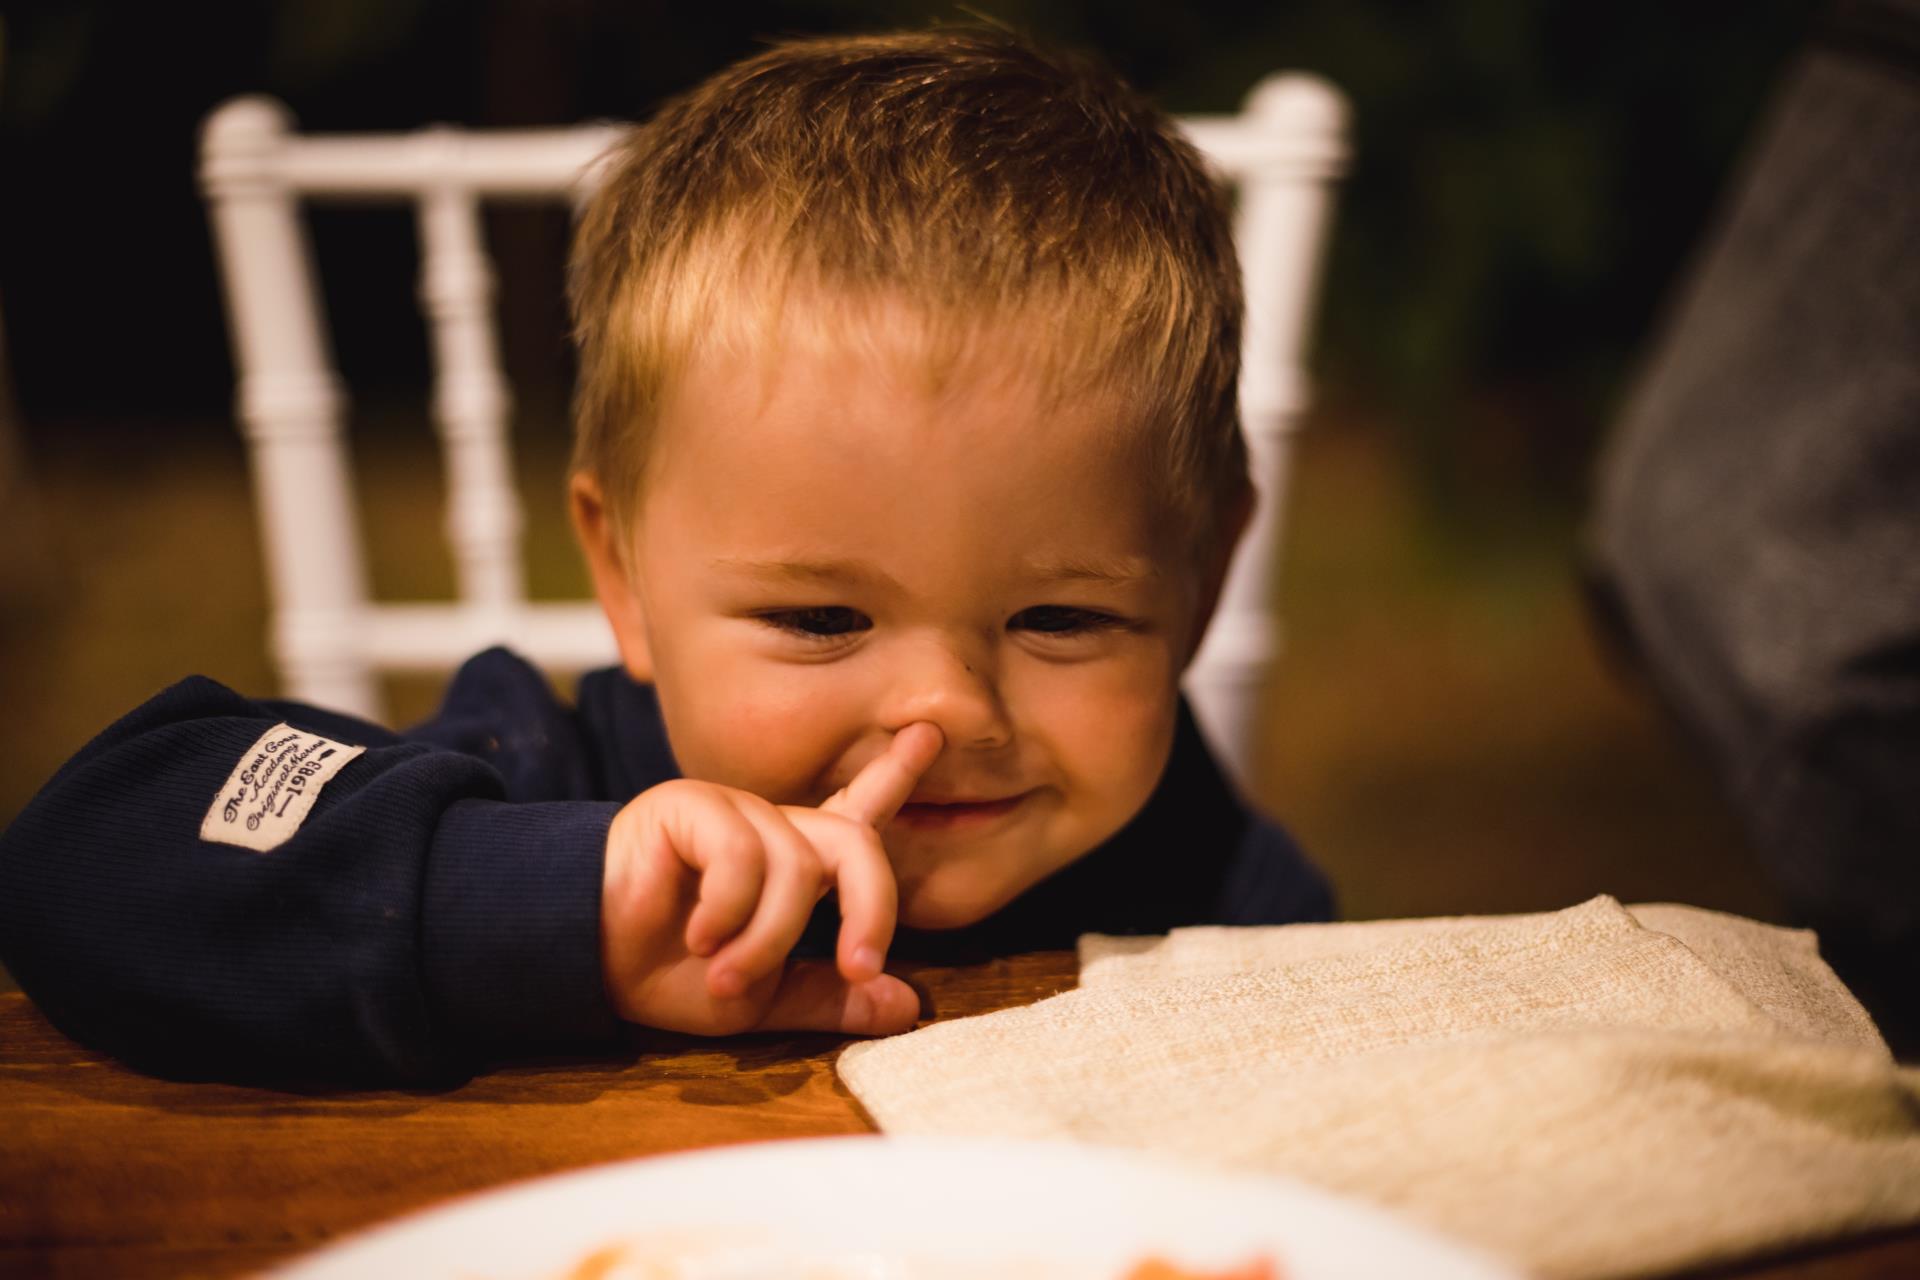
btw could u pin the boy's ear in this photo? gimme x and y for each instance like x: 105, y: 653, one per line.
x: 611, y: 582
x: 1213, y: 569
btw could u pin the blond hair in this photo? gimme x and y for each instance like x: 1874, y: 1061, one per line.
x: 976, y: 178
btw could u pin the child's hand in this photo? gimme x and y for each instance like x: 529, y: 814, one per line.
x: 708, y: 888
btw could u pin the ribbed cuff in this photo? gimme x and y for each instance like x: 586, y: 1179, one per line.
x: 511, y: 926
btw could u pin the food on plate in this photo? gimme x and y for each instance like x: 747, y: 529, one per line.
x: 694, y: 1258
x: 1160, y: 1269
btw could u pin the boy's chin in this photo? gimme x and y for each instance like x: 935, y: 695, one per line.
x: 951, y: 888
x: 942, y: 903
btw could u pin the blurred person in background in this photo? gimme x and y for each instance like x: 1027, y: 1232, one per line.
x: 1757, y: 529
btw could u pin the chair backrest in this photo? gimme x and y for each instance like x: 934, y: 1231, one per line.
x: 330, y: 639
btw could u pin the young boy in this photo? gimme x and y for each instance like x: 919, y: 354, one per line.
x: 907, y: 470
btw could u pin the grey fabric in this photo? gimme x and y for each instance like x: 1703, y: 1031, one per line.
x: 1757, y: 522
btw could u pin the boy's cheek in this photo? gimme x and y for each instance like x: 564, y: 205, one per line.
x: 1110, y: 733
x: 760, y: 735
x: 1112, y: 753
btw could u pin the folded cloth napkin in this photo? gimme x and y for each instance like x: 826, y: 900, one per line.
x: 1600, y: 1091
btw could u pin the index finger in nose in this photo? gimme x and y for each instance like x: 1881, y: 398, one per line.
x: 878, y: 790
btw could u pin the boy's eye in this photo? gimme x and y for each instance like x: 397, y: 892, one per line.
x: 1064, y: 620
x: 823, y: 623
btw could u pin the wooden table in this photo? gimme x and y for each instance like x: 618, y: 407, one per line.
x: 106, y: 1172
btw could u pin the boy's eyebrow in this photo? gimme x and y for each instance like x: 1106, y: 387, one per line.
x: 1119, y: 571
x: 822, y: 571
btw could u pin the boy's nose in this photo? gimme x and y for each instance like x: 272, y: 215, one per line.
x: 955, y: 691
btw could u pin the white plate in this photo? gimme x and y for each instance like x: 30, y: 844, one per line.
x: 878, y: 1208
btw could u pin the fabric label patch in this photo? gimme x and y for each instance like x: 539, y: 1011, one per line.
x: 273, y: 788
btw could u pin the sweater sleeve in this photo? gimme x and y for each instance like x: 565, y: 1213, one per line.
x: 408, y: 926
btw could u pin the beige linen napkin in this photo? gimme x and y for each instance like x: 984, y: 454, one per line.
x: 1592, y: 1092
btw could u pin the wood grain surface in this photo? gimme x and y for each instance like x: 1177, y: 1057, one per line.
x: 108, y: 1172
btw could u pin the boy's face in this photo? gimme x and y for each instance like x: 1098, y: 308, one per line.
x: 830, y: 549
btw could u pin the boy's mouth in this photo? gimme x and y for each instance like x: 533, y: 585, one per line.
x: 956, y: 813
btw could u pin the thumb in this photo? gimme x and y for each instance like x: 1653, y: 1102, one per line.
x: 813, y: 996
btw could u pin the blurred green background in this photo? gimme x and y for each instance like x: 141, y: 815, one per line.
x: 1529, y: 181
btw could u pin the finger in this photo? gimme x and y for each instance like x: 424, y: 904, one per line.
x: 856, y: 864
x: 718, y: 841
x: 791, y: 884
x: 813, y: 997
x: 877, y: 791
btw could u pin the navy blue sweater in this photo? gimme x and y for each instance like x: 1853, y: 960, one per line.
x: 439, y: 907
